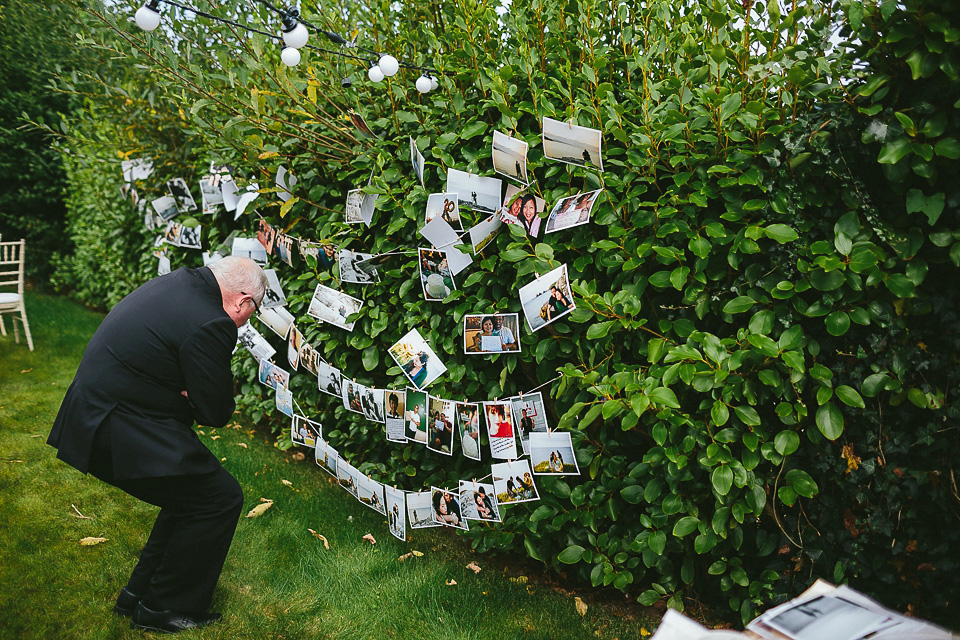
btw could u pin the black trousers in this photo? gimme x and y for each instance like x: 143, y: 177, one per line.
x: 184, y: 555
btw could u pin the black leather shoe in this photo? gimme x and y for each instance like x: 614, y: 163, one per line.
x: 126, y: 603
x: 169, y: 621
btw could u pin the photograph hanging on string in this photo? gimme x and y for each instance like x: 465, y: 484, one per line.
x: 304, y: 431
x: 136, y: 169
x: 249, y: 248
x: 163, y: 264
x: 500, y: 430
x: 272, y: 376
x: 547, y: 298
x: 266, y: 235
x: 181, y: 193
x: 572, y: 144
x: 285, y: 182
x: 444, y: 205
x: 441, y: 416
x: 416, y: 160
x: 475, y: 192
x: 372, y: 403
x: 371, y: 494
x: 482, y: 233
x: 254, y: 342
x: 530, y: 415
x: 273, y: 296
x: 230, y: 192
x: 166, y: 207
x: 436, y: 279
x: 420, y: 510
x: 278, y: 319
x: 513, y: 482
x: 211, y: 194
x: 284, y: 401
x: 416, y: 416
x: 190, y: 237
x: 211, y: 258
x: 308, y: 357
x: 326, y: 457
x: 348, y: 476
x: 417, y: 360
x: 353, y: 396
x: 524, y: 209
x: 357, y: 267
x: 323, y: 254
x: 552, y: 454
x: 294, y: 342
x: 395, y: 404
x: 171, y: 233
x: 509, y: 157
x: 396, y: 512
x: 360, y: 207
x: 486, y: 334
x: 329, y: 379
x: 446, y: 508
x: 283, y: 247
x: 572, y: 211
x: 468, y: 426
x: 330, y: 305
x: 478, y: 501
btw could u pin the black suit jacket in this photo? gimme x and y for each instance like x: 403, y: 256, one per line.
x: 169, y: 335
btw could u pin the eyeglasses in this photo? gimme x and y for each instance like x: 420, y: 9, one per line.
x: 256, y: 305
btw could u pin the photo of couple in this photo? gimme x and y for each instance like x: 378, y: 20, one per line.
x: 523, y: 209
x: 349, y: 477
x: 552, y: 454
x: 371, y: 494
x: 440, y: 420
x: 478, y: 502
x: 572, y: 211
x: 304, y: 432
x: 417, y: 360
x: 493, y: 333
x: 435, y: 275
x: 446, y: 509
x: 513, y: 482
x: 547, y: 298
x: 272, y: 375
x: 509, y: 157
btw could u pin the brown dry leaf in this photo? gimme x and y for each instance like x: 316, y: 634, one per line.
x: 286, y: 482
x: 473, y: 567
x: 298, y: 456
x: 326, y: 545
x: 853, y: 461
x: 581, y: 606
x: 89, y: 542
x: 242, y: 444
x: 451, y: 582
x: 404, y: 557
x: 370, y: 539
x: 260, y: 508
x: 26, y: 370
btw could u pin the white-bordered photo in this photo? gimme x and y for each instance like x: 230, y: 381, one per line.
x: 210, y: 193
x: 468, y: 428
x: 229, y: 191
x: 249, y: 248
x: 486, y: 334
x: 395, y: 407
x: 828, y: 616
x: 308, y: 357
x: 353, y: 396
x: 284, y: 401
x: 294, y: 342
x: 551, y: 454
x: 524, y: 209
x: 266, y: 235
x: 446, y: 508
x: 572, y: 211
x: 547, y: 298
x: 285, y: 182
x: 330, y: 305
x: 416, y: 160
x: 436, y: 278
x: 420, y: 510
x: 357, y: 267
x: 171, y: 233
x: 181, y: 193
x: 329, y: 379
x: 278, y: 319
x: 254, y: 342
x: 272, y: 376
x: 572, y: 144
x: 482, y: 233
x: 396, y: 512
x: 210, y: 258
x: 136, y: 169
x: 478, y: 501
x: 250, y: 193
x: 273, y: 296
x: 445, y: 238
x: 530, y: 415
x: 371, y: 494
x: 441, y: 418
x: 513, y: 482
x: 415, y: 416
x: 360, y: 207
x: 510, y: 157
x: 326, y: 457
x: 372, y: 402
x: 446, y: 206
x: 190, y: 237
x: 324, y: 253
x: 304, y: 431
x: 283, y: 248
x: 500, y: 430
x: 475, y: 192
x: 165, y: 206
x: 163, y: 264
x: 417, y: 360
x: 348, y: 476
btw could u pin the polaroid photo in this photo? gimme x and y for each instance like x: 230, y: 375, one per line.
x: 278, y: 319
x: 330, y: 305
x: 249, y: 248
x: 285, y: 182
x: 326, y: 457
x: 165, y: 206
x: 283, y: 247
x: 441, y: 416
x: 348, y: 476
x: 211, y: 258
x: 325, y: 255
x: 246, y: 198
x: 513, y: 482
x: 478, y: 501
x: 415, y: 416
x: 446, y: 206
x: 468, y: 426
x: 171, y: 234
x: 371, y: 494
x: 273, y: 297
x: 266, y: 235
x: 163, y: 265
x: 357, y: 120
x: 329, y: 379
x: 828, y: 616
x: 547, y: 298
x: 151, y: 220
x: 396, y: 512
x: 530, y: 416
x: 309, y: 358
x: 272, y: 376
x: 395, y: 407
x: 444, y: 238
x: 372, y: 401
x: 572, y: 211
x: 524, y: 209
x: 304, y: 431
x: 294, y: 342
x: 211, y: 193
x: 420, y: 510
x: 482, y: 233
x: 360, y: 207
x: 353, y: 396
x: 229, y: 190
x: 190, y: 237
x: 551, y: 454
x: 436, y: 278
x: 510, y: 157
x: 486, y: 334
x: 255, y: 343
x: 500, y: 431
x: 181, y: 192
x: 417, y: 360
x: 416, y: 159
x: 571, y: 143
x: 475, y: 192
x: 357, y: 268
x: 136, y: 169
x: 446, y: 508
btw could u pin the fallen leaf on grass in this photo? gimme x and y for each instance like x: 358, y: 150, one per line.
x: 260, y: 508
x: 26, y: 370
x: 370, y: 538
x: 79, y: 515
x: 298, y: 456
x: 414, y: 553
x: 581, y: 606
x: 39, y: 435
x: 473, y: 567
x: 90, y: 541
x: 286, y: 482
x: 326, y: 545
x: 520, y: 579
x: 214, y: 437
x: 242, y: 444
x: 451, y: 582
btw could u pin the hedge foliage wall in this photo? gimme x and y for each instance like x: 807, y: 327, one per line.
x: 761, y: 374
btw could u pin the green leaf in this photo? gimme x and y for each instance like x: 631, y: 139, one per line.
x: 371, y: 357
x: 632, y: 494
x: 657, y: 542
x: 781, y: 233
x: 665, y: 396
x: 571, y: 554
x: 895, y: 151
x: 786, y: 442
x: 685, y: 525
x: 748, y: 415
x: 850, y: 397
x: 722, y: 479
x: 900, y: 286
x: 532, y: 550
x: 837, y: 323
x: 600, y: 329
x: 739, y: 304
x: 801, y: 482
x: 948, y: 148
x: 874, y: 384
x: 830, y: 421
x: 719, y: 414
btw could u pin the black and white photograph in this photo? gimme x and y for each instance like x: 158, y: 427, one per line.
x: 190, y: 237
x: 357, y: 120
x: 416, y: 160
x: 294, y: 342
x: 500, y: 430
x: 441, y: 418
x: 304, y: 431
x: 572, y: 211
x: 330, y: 305
x: 210, y: 195
x: 353, y: 396
x: 416, y: 415
x: 372, y: 402
x: 530, y: 415
x: 446, y: 508
x: 166, y: 207
x: 371, y: 494
x: 329, y: 379
x: 828, y: 616
x: 478, y: 501
x: 273, y: 297
x: 324, y: 254
x: 547, y: 298
x: 249, y: 248
x: 571, y: 143
x: 395, y: 407
x: 444, y: 205
x: 349, y: 477
x: 417, y: 360
x: 163, y: 265
x: 513, y: 482
x: 435, y: 275
x: 256, y: 344
x: 266, y: 235
x: 136, y: 169
x: 524, y: 209
x: 482, y: 233
x: 326, y: 457
x: 278, y: 319
x: 171, y: 233
x: 487, y: 334
x: 420, y: 510
x: 468, y: 428
x: 272, y: 376
x: 308, y: 357
x: 510, y: 157
x: 283, y: 248
x: 285, y: 182
x: 181, y: 192
x: 357, y: 268
x: 360, y: 207
x: 396, y: 512
x: 551, y: 454
x: 474, y: 192
x: 284, y: 401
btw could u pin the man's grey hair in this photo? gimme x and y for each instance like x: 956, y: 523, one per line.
x: 240, y: 275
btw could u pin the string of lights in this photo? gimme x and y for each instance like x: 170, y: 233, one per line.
x: 294, y: 34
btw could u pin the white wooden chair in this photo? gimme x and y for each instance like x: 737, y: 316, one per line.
x: 11, y: 288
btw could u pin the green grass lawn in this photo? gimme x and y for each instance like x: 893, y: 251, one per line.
x: 279, y: 581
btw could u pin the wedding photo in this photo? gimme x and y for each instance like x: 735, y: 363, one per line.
x: 330, y: 305
x: 513, y: 482
x: 487, y: 334
x: 509, y: 157
x: 547, y: 298
x: 571, y: 143
x: 572, y: 211
x: 417, y: 360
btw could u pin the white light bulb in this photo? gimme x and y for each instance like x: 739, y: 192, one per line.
x: 147, y: 18
x: 423, y: 84
x: 290, y: 56
x: 433, y: 83
x: 389, y: 65
x: 296, y: 37
x: 375, y: 73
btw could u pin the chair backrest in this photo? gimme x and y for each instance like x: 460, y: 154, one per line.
x: 11, y: 265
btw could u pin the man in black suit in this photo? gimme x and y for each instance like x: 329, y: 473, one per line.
x: 159, y: 362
